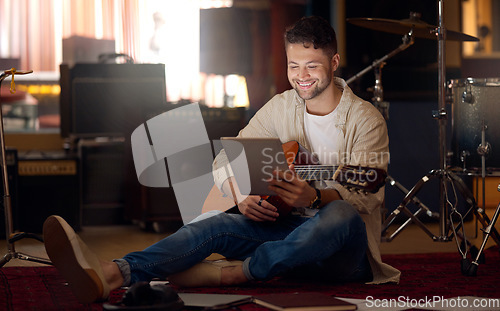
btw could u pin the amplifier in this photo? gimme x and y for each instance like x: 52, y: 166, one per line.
x: 101, y: 181
x: 48, y: 184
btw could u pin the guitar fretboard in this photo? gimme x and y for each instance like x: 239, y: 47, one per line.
x: 316, y: 172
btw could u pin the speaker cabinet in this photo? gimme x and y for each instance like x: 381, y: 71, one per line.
x: 48, y: 185
x: 102, y: 100
x: 102, y: 170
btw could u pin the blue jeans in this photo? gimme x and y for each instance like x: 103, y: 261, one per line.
x: 332, y: 244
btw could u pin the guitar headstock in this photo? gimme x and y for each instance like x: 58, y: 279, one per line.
x: 366, y: 179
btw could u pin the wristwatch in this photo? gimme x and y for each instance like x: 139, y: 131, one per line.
x: 316, y: 202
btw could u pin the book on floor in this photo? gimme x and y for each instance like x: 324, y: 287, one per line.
x: 307, y: 301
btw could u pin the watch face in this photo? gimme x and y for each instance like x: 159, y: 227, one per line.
x: 316, y: 203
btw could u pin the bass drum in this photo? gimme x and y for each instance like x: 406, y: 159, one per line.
x: 475, y: 102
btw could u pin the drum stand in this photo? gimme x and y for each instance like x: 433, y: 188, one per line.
x: 447, y: 210
x: 10, y: 236
x: 472, y: 267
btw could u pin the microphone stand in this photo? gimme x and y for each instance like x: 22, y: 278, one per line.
x: 10, y: 236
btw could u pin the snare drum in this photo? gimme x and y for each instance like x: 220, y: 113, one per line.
x: 475, y: 102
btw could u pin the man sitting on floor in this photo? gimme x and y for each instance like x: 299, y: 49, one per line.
x: 332, y: 234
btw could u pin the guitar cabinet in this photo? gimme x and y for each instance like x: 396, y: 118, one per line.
x: 101, y: 181
x: 48, y: 184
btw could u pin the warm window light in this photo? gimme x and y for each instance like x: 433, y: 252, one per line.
x: 211, y: 4
x: 236, y: 90
x: 165, y: 23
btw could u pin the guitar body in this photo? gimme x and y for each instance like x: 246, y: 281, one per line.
x: 307, y: 167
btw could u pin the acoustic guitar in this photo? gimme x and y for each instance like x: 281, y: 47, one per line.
x: 307, y: 167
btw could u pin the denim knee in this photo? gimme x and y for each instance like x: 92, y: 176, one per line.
x: 340, y: 213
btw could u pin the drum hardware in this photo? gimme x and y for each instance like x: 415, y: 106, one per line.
x: 377, y: 65
x: 10, y: 236
x: 421, y: 209
x: 467, y: 95
x: 378, y: 93
x: 407, y: 41
x: 469, y: 268
x: 463, y: 157
x: 406, y: 27
x: 483, y: 150
x: 448, y: 181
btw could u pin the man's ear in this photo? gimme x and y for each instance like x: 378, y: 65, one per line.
x: 335, y: 62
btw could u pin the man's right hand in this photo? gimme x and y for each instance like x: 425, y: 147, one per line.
x: 249, y: 205
x: 263, y: 211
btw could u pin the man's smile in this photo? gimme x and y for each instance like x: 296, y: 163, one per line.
x: 305, y: 85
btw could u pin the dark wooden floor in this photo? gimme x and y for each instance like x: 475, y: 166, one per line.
x: 111, y: 242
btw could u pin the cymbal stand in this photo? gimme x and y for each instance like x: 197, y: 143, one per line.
x: 378, y: 93
x: 442, y: 173
x: 407, y: 41
x: 383, y: 107
x: 10, y: 236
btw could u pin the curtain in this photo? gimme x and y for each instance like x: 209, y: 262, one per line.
x: 27, y: 32
x: 33, y: 30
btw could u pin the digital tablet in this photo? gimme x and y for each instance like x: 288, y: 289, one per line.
x: 253, y: 160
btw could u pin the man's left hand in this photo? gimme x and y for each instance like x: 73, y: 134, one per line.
x: 293, y: 190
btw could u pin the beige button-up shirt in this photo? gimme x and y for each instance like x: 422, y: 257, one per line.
x: 362, y: 141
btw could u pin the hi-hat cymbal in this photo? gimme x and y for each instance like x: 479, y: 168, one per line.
x: 420, y: 28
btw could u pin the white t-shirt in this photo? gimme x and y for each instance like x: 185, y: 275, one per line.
x: 321, y: 133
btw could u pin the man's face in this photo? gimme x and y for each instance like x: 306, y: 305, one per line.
x: 310, y: 70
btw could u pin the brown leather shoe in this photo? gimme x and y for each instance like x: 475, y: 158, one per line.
x: 204, y: 274
x: 76, y: 263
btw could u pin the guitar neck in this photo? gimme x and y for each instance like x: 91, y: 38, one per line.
x: 317, y: 172
x: 362, y: 178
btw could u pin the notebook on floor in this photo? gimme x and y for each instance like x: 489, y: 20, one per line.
x: 213, y: 301
x: 305, y: 301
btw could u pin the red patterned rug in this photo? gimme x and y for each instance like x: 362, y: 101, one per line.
x: 423, y: 275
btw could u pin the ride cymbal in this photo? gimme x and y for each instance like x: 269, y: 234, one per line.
x: 420, y: 28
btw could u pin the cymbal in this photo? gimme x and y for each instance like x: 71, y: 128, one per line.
x: 420, y: 28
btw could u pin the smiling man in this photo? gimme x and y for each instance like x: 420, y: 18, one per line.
x: 332, y: 234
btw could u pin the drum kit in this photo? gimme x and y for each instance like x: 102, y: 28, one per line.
x: 473, y: 116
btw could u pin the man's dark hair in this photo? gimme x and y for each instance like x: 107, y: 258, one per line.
x: 313, y: 30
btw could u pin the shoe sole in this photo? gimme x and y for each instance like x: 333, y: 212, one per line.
x: 74, y: 261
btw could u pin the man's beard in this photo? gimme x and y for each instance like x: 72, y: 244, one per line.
x: 318, y: 89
